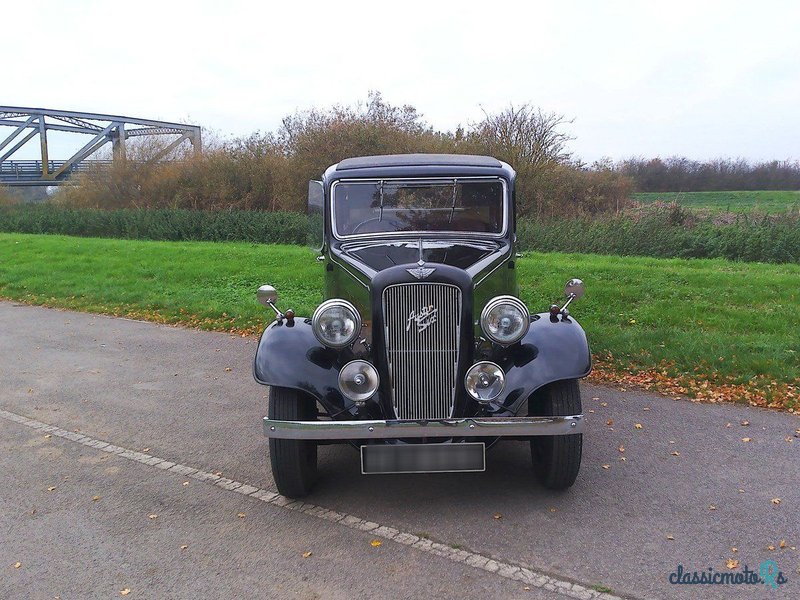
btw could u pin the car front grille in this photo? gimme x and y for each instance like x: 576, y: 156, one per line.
x: 422, y: 330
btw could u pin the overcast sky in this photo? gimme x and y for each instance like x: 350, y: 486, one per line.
x: 700, y: 79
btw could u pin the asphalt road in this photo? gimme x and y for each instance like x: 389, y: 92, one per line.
x: 688, y: 491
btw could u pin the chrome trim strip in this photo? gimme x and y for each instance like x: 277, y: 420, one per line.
x: 381, y: 235
x: 445, y: 428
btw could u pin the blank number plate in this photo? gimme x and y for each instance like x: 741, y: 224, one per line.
x: 423, y: 458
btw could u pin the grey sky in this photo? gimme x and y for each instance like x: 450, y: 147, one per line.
x: 701, y: 79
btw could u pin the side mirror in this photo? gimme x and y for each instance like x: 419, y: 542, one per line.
x: 267, y: 295
x: 574, y: 289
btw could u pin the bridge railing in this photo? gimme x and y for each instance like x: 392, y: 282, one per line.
x: 31, y: 170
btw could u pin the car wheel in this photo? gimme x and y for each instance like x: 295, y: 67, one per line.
x: 294, y: 462
x: 556, y: 458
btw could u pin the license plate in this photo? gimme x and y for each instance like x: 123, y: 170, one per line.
x: 423, y: 458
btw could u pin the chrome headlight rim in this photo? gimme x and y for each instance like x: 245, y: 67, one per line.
x: 479, y: 365
x: 328, y: 304
x: 516, y: 303
x: 373, y: 372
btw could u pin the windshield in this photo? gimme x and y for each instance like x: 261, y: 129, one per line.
x: 396, y: 206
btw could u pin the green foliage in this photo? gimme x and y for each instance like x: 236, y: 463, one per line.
x: 707, y: 317
x: 662, y: 233
x: 760, y: 201
x: 666, y: 234
x: 163, y: 224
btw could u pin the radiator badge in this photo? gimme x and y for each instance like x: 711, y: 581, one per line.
x: 421, y: 272
x: 422, y: 319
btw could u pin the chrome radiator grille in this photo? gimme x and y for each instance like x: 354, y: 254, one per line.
x: 422, y: 329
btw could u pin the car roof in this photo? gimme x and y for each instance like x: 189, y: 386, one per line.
x: 418, y: 165
x: 418, y: 160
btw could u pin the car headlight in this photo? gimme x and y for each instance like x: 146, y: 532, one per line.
x: 336, y: 323
x: 358, y: 380
x: 485, y: 381
x: 505, y: 320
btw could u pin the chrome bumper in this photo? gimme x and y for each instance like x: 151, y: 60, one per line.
x: 444, y: 428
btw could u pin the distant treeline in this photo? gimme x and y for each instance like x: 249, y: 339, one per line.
x: 678, y: 174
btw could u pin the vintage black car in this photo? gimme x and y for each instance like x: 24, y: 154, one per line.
x: 422, y: 355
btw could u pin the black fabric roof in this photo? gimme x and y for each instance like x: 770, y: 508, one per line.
x: 418, y: 160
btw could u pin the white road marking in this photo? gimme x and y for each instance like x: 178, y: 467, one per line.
x: 524, y: 575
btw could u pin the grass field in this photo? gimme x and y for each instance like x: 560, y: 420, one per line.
x: 765, y: 201
x: 697, y: 323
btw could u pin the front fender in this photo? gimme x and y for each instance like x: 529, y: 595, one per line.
x: 290, y: 356
x: 553, y: 349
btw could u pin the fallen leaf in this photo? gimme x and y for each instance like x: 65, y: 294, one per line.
x: 621, y: 448
x: 306, y: 554
x: 498, y: 516
x: 728, y: 425
x: 218, y: 473
x: 604, y: 404
x: 241, y: 515
x: 670, y: 538
x: 553, y: 509
x: 637, y: 425
x: 776, y: 501
x: 185, y: 483
x: 47, y: 436
x: 675, y: 453
x: 228, y: 369
x: 782, y: 544
x: 145, y: 449
x: 52, y: 488
x: 526, y: 588
x: 606, y: 466
x: 125, y: 592
x: 376, y: 543
x: 95, y: 498
x: 788, y: 439
x: 646, y: 408
x: 734, y: 549
x: 610, y: 422
x: 622, y: 458
x: 712, y: 507
x: 771, y: 548
x: 595, y: 398
x: 747, y: 440
x: 744, y: 423
x: 184, y: 547
x: 741, y: 491
x: 732, y: 563
x: 17, y: 565
x: 152, y: 516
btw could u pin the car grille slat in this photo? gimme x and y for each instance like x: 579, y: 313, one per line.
x: 422, y: 331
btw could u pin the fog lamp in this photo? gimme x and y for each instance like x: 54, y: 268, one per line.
x: 485, y: 381
x: 358, y: 380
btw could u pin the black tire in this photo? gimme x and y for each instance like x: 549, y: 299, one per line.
x: 556, y: 458
x: 294, y: 462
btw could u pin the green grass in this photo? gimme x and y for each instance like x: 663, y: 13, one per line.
x: 709, y: 318
x: 762, y: 201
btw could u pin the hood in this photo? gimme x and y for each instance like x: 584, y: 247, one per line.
x: 463, y: 254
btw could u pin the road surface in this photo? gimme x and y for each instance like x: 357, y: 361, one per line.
x: 99, y: 409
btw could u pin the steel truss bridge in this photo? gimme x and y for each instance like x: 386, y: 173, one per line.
x: 28, y: 123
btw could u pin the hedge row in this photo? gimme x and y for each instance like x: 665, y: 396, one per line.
x: 654, y: 235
